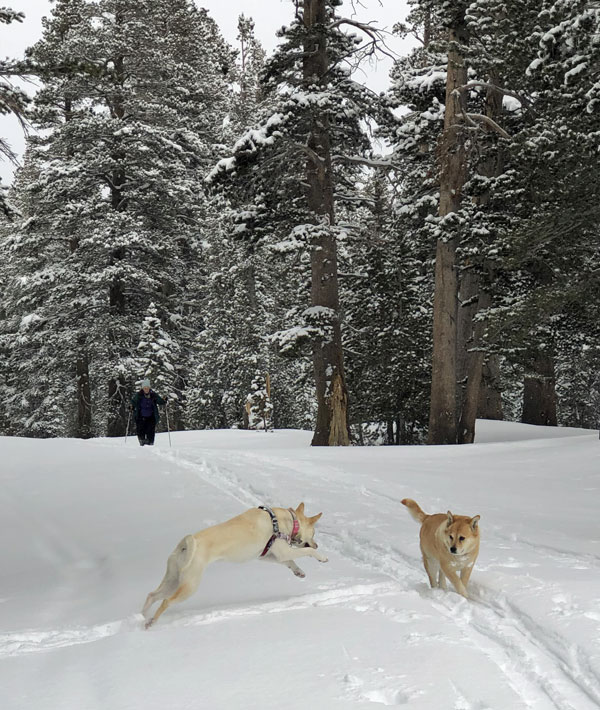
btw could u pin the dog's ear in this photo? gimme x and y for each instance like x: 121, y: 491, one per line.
x: 300, y: 509
x: 475, y: 522
x: 450, y: 519
x: 314, y: 518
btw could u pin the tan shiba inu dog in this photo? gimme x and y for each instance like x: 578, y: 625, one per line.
x: 449, y: 544
x: 279, y: 534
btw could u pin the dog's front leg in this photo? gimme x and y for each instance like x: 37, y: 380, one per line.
x: 465, y: 574
x: 295, y: 569
x: 286, y: 553
x: 455, y: 579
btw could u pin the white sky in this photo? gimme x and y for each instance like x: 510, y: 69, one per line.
x: 269, y: 16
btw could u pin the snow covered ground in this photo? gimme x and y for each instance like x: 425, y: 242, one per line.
x: 86, y: 528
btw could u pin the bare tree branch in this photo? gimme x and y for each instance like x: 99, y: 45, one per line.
x: 313, y: 155
x: 376, y: 35
x: 471, y: 118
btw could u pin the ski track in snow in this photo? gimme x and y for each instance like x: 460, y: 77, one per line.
x: 535, y: 661
x: 24, y: 642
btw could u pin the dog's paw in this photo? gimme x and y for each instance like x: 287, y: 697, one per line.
x: 148, y: 624
x: 322, y: 559
x: 300, y: 573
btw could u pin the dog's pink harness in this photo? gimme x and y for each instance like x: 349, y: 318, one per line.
x: 277, y: 534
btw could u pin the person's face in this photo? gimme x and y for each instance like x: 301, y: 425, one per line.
x: 146, y: 390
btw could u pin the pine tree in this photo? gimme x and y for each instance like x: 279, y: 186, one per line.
x: 259, y: 407
x: 131, y: 107
x: 385, y: 288
x: 544, y: 208
x: 12, y: 99
x: 236, y: 307
x: 157, y: 354
x: 316, y: 126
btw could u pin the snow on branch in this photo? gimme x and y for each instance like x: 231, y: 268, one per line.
x: 249, y: 143
x: 486, y: 85
x: 7, y: 15
x: 358, y: 160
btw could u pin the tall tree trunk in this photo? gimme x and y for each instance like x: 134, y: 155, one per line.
x: 443, y: 416
x: 539, y: 394
x: 83, y: 427
x: 328, y: 360
x: 83, y: 422
x: 477, y: 295
x: 468, y: 305
x: 475, y: 359
x: 117, y: 407
x: 117, y: 392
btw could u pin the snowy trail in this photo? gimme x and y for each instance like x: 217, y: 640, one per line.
x: 89, y: 525
x: 536, y: 664
x: 16, y: 644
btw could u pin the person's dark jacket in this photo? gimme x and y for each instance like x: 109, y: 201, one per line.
x: 136, y: 402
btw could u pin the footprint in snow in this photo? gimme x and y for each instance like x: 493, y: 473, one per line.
x: 383, y: 696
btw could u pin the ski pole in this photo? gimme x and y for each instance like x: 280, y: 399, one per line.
x: 168, y: 427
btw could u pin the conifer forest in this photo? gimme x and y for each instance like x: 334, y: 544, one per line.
x: 276, y: 245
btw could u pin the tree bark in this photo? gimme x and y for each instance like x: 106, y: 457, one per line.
x: 332, y: 397
x: 539, y: 394
x: 117, y: 407
x: 443, y: 415
x: 83, y: 428
x: 475, y: 359
x: 490, y: 394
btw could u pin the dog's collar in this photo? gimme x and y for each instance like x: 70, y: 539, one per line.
x: 296, y: 524
x: 277, y: 534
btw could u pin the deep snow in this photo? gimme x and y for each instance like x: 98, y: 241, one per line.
x: 86, y: 528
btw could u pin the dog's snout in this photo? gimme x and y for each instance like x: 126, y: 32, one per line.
x: 453, y: 550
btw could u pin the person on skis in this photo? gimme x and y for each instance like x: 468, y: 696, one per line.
x: 145, y: 410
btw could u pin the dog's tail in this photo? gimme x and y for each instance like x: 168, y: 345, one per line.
x: 414, y: 509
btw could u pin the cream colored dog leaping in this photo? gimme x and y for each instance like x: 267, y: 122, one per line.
x: 278, y: 534
x: 449, y: 544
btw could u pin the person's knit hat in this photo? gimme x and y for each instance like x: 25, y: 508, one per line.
x: 145, y: 383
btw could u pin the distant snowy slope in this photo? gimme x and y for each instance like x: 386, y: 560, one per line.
x: 86, y: 528
x: 488, y: 430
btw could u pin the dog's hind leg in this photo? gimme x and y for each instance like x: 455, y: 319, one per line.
x: 185, y: 590
x: 165, y: 589
x: 179, y: 560
x: 151, y: 599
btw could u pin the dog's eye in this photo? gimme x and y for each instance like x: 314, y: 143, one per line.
x: 461, y: 538
x: 451, y: 538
